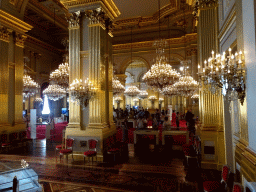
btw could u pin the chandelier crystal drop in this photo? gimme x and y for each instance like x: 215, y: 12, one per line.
x: 117, y: 87
x: 61, y: 75
x: 186, y: 86
x: 30, y: 87
x: 54, y: 92
x: 143, y: 94
x: 195, y: 96
x: 81, y: 92
x: 132, y: 91
x: 227, y: 72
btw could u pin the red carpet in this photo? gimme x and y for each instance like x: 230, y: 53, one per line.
x: 56, y: 133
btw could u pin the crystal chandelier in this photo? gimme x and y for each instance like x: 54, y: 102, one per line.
x: 39, y: 100
x: 117, y: 87
x: 195, y: 96
x: 186, y: 86
x: 132, y: 91
x: 136, y: 100
x: 54, y: 92
x: 227, y: 72
x: 161, y: 100
x: 61, y: 75
x: 118, y: 99
x: 170, y: 90
x: 143, y: 94
x: 81, y: 92
x: 152, y: 98
x: 30, y: 87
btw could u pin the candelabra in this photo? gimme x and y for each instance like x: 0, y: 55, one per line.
x: 226, y: 72
x: 82, y: 92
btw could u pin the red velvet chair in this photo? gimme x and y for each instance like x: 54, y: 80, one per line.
x: 68, y: 150
x: 210, y: 186
x: 92, y: 152
x: 237, y: 187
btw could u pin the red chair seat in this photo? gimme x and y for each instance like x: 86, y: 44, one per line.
x: 90, y: 153
x: 5, y: 144
x: 59, y: 146
x: 65, y: 151
x: 211, y: 185
x: 114, y: 150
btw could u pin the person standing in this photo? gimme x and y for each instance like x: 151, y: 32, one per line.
x: 191, y: 126
x: 178, y: 120
x: 188, y: 116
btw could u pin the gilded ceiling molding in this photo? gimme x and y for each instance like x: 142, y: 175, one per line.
x: 35, y: 5
x: 149, y: 44
x: 20, y: 40
x: 108, y: 5
x: 145, y: 21
x: 5, y: 34
x: 14, y: 23
x: 74, y: 20
x: 191, y: 51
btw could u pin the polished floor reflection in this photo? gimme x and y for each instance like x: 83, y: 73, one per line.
x: 148, y: 168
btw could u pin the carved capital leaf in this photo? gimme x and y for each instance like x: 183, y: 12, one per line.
x: 20, y: 39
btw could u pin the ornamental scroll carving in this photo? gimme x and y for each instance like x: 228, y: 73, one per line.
x: 4, y: 33
x: 73, y: 19
x: 20, y: 40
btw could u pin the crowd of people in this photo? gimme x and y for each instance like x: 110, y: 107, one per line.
x: 143, y: 116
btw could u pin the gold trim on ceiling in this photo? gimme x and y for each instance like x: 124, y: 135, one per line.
x: 189, y: 38
x: 14, y: 23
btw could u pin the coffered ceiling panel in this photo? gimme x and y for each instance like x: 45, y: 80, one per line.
x: 136, y: 8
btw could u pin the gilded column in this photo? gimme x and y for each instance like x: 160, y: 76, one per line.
x: 74, y: 64
x: 211, y: 105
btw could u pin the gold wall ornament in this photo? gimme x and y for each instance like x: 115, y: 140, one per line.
x: 20, y: 40
x: 4, y: 33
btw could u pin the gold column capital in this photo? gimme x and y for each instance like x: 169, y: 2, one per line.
x: 73, y: 20
x: 207, y: 4
x: 5, y: 33
x: 20, y: 39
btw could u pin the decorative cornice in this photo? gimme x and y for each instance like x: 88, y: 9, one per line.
x: 20, y: 39
x: 4, y: 33
x: 148, y: 44
x: 14, y: 23
x: 108, y: 5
